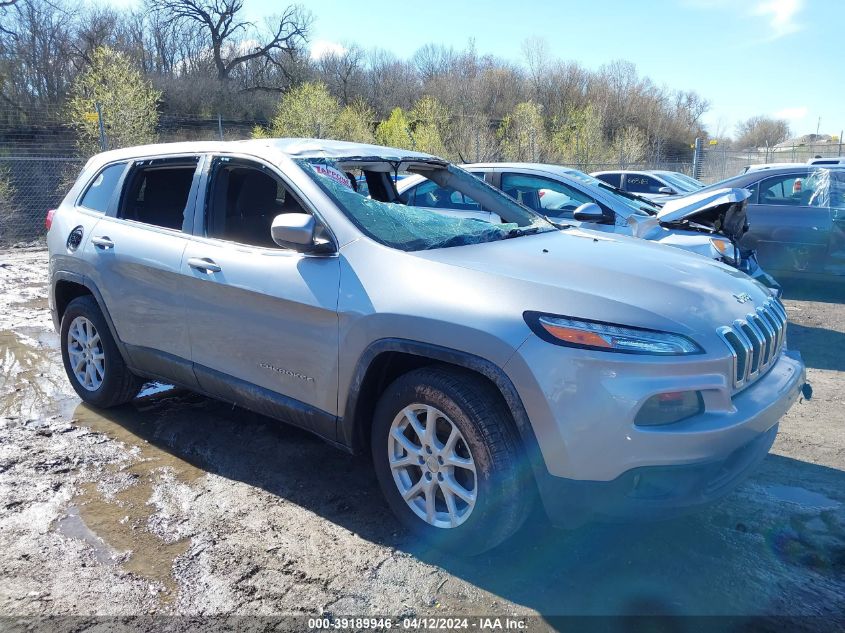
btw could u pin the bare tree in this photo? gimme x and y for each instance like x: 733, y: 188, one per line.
x: 234, y: 41
x: 761, y: 131
x: 343, y: 73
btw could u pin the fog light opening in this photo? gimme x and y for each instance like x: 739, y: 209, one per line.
x: 669, y: 407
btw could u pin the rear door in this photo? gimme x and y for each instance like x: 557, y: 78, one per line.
x: 789, y: 222
x: 262, y: 319
x: 136, y: 250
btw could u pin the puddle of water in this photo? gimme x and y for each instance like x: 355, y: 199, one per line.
x: 120, y: 521
x: 32, y: 377
x: 72, y: 526
x: 801, y: 496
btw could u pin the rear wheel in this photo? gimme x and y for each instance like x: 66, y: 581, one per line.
x: 448, y: 461
x: 92, y: 361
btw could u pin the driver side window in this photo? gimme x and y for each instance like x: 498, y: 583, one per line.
x: 242, y: 200
x: 430, y: 194
x: 544, y: 195
x: 795, y: 190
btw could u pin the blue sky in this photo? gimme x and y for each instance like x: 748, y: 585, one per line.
x: 779, y: 58
x: 775, y: 57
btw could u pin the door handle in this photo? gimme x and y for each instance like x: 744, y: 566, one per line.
x: 203, y: 264
x: 102, y: 242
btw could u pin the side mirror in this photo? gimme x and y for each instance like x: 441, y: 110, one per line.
x: 667, y: 190
x: 591, y: 212
x: 294, y: 230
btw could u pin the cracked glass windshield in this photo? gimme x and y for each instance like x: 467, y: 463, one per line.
x: 493, y: 216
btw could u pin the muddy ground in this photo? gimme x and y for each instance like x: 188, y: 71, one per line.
x: 177, y: 504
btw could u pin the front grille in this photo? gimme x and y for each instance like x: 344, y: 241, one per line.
x: 755, y: 341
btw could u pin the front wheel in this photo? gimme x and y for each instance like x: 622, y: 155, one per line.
x: 448, y: 461
x: 92, y: 361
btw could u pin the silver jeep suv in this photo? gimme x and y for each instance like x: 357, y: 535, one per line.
x: 482, y: 361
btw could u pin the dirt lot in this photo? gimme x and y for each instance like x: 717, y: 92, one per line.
x: 179, y: 504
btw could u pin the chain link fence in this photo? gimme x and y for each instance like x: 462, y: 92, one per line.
x: 720, y: 163
x: 40, y: 159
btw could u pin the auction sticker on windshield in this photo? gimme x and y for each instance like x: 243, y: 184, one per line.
x: 331, y: 172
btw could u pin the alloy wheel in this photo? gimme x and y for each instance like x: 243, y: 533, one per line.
x: 86, y: 353
x: 432, y: 466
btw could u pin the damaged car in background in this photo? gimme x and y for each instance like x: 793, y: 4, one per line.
x: 710, y: 224
x: 797, y: 218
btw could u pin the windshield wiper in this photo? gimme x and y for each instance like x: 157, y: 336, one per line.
x: 560, y: 225
x: 531, y: 230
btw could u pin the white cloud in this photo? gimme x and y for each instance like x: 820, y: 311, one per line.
x: 792, y: 114
x: 321, y: 48
x: 781, y: 15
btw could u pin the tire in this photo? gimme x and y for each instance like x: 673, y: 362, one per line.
x: 500, y: 476
x: 109, y: 383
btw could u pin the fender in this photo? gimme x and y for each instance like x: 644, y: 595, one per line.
x: 82, y: 280
x: 349, y: 428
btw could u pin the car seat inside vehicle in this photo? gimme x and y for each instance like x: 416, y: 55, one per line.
x: 243, y: 203
x: 158, y: 196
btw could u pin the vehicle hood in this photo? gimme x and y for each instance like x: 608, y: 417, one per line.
x: 722, y: 211
x: 607, y: 277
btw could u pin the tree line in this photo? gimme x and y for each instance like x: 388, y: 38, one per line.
x: 198, y: 58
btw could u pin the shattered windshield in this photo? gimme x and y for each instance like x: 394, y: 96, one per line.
x: 413, y: 228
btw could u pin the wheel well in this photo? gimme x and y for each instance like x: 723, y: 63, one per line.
x: 67, y: 291
x: 382, y: 371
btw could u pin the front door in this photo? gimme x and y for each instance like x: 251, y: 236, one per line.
x: 262, y: 319
x: 790, y: 222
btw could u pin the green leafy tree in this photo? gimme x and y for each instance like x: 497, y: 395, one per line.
x: 308, y: 110
x: 430, y: 123
x: 395, y: 131
x: 578, y: 138
x: 127, y: 100
x: 522, y: 133
x: 629, y: 146
x: 354, y: 123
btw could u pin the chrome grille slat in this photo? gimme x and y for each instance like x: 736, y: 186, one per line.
x: 768, y: 332
x: 756, y: 341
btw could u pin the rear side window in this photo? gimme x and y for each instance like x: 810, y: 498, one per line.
x: 100, y: 191
x: 157, y: 192
x: 612, y: 179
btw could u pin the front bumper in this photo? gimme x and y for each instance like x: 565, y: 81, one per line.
x: 598, y: 462
x: 653, y: 492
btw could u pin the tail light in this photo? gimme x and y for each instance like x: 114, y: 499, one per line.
x: 48, y: 222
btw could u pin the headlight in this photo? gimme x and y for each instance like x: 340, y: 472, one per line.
x: 724, y: 248
x: 595, y: 335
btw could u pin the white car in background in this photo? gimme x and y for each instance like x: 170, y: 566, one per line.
x: 655, y: 185
x: 708, y: 224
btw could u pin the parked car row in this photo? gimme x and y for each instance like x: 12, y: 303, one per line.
x: 655, y: 184
x: 710, y: 224
x: 795, y: 213
x: 483, y: 355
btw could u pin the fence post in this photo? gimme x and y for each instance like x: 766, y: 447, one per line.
x: 220, y: 126
x: 697, y: 157
x: 104, y: 145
